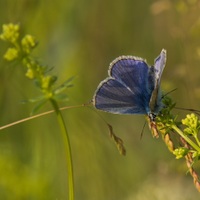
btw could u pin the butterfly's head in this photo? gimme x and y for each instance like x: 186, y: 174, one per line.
x: 152, y: 124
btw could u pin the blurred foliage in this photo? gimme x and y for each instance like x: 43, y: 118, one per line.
x: 81, y: 38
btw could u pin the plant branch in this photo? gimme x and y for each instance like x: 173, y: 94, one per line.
x: 67, y: 147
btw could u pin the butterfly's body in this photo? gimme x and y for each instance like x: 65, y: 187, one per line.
x: 132, y: 87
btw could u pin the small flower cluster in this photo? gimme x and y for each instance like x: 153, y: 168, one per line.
x: 180, y: 152
x: 20, y: 49
x: 193, y: 125
x: 10, y: 33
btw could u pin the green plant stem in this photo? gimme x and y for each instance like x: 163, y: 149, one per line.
x: 197, y: 140
x: 67, y: 146
x: 188, y: 140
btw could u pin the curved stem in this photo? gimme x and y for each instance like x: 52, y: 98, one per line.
x: 67, y: 147
x: 188, y: 140
x: 38, y: 115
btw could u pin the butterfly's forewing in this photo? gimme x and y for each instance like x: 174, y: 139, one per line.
x: 159, y: 65
x: 126, y: 89
x: 155, y: 103
x: 131, y: 71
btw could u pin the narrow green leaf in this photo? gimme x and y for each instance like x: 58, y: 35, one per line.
x: 33, y: 100
x: 64, y: 85
x: 61, y: 97
x: 38, y: 106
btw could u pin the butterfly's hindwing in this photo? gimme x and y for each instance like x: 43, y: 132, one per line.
x: 112, y: 96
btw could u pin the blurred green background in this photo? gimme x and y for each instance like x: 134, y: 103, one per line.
x: 81, y: 38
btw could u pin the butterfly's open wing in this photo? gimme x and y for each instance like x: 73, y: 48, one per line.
x: 126, y: 90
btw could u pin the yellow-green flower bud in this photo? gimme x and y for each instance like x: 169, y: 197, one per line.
x: 46, y: 82
x: 193, y: 124
x: 11, y: 54
x: 10, y: 32
x: 30, y: 73
x: 180, y: 152
x: 28, y: 43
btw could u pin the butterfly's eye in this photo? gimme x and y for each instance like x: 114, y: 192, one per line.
x: 152, y: 117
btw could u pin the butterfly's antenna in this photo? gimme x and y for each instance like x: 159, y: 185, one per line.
x: 179, y: 108
x: 39, y: 115
x: 141, y: 135
x: 189, y: 109
x: 169, y: 92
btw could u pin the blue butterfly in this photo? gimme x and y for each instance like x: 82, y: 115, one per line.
x: 132, y: 87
